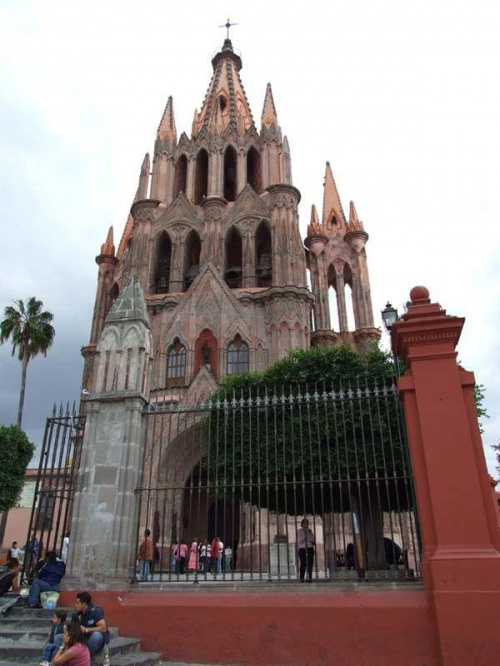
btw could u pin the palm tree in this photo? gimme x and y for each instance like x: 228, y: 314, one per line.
x: 30, y: 331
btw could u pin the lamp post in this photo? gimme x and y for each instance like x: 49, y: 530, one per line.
x: 390, y: 317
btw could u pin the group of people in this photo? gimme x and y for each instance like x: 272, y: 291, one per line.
x: 203, y: 556
x: 75, y: 642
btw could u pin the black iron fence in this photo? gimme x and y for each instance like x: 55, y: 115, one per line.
x: 302, y: 482
x: 54, y: 488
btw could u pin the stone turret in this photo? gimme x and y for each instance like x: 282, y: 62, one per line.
x: 103, y: 532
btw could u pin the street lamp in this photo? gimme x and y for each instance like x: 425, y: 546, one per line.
x: 389, y: 316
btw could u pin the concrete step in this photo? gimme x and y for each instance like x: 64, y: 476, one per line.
x: 27, y: 651
x: 29, y: 632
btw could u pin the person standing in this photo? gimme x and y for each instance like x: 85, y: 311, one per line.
x: 183, y: 551
x: 14, y: 553
x: 306, y: 543
x: 65, y: 547
x: 216, y: 555
x: 146, y: 555
x: 193, y: 555
x: 175, y: 556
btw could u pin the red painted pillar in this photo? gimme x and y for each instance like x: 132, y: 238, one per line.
x: 459, y: 526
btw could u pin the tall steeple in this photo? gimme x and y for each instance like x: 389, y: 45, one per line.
x: 225, y: 104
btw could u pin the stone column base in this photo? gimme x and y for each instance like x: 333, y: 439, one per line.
x: 365, y: 336
x: 324, y: 337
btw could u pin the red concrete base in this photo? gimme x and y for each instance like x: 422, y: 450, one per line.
x: 468, y: 627
x: 298, y: 627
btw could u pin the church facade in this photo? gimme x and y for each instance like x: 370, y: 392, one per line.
x: 213, y: 239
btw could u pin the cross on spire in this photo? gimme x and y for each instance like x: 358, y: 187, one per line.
x: 227, y: 25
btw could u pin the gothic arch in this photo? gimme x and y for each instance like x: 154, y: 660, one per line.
x: 233, y: 263
x: 238, y: 356
x: 201, y: 177
x: 176, y: 364
x: 206, y: 337
x: 253, y: 169
x: 180, y: 181
x: 192, y: 251
x: 263, y: 255
x: 230, y: 173
x: 162, y: 263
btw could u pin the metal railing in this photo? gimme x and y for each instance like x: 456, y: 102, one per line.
x: 227, y: 484
x: 54, y: 487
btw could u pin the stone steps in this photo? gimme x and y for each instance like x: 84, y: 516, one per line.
x: 23, y: 632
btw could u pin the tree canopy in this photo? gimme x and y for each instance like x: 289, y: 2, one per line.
x: 29, y: 329
x: 317, y: 431
x: 15, y: 453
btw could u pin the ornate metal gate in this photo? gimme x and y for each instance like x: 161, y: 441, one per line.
x: 227, y: 483
x: 54, y: 487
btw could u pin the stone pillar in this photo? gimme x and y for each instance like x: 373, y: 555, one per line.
x: 143, y: 212
x: 461, y: 539
x: 191, y: 169
x: 105, y: 511
x: 241, y: 171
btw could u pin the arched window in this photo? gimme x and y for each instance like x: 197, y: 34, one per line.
x: 234, y: 259
x: 263, y: 255
x: 180, y: 175
x: 349, y: 297
x: 176, y: 364
x: 113, y: 293
x: 253, y: 169
x: 201, y: 178
x: 230, y: 181
x: 192, y: 250
x: 163, y: 259
x: 238, y: 357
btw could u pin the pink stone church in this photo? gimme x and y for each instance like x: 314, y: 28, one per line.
x: 213, y: 239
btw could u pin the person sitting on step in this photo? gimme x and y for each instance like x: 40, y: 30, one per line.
x: 73, y: 650
x: 93, y: 623
x: 55, y: 638
x: 47, y: 579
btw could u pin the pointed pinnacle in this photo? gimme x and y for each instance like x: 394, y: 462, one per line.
x: 332, y: 205
x: 354, y: 221
x: 314, y: 215
x: 108, y: 247
x: 142, y: 189
x: 286, y: 147
x: 269, y: 115
x: 166, y: 128
x: 314, y: 226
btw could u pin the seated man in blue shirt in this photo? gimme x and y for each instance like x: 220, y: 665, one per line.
x: 92, y: 621
x: 47, y: 579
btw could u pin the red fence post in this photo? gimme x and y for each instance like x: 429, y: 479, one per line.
x: 459, y: 527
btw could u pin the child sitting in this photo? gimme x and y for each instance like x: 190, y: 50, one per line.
x: 54, y: 641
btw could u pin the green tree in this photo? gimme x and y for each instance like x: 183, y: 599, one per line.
x: 15, y: 453
x: 29, y: 329
x: 341, y: 454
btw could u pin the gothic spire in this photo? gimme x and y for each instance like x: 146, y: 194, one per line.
x: 269, y: 115
x: 142, y: 190
x: 225, y: 102
x: 332, y: 206
x: 166, y: 128
x: 355, y: 223
x: 108, y: 247
x: 314, y: 226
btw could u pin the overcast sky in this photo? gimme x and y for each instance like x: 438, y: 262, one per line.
x: 401, y: 97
